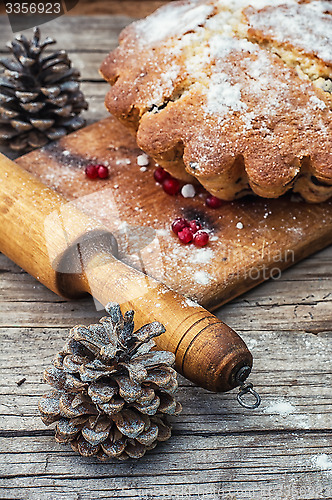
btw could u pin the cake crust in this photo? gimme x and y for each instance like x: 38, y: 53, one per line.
x: 223, y: 95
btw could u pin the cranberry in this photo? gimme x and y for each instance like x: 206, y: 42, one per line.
x: 201, y: 238
x: 179, y: 224
x: 160, y: 175
x: 171, y: 186
x: 195, y: 226
x: 91, y: 171
x: 213, y: 201
x: 186, y: 235
x: 102, y: 172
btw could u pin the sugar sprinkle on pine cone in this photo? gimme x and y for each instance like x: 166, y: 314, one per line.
x: 40, y: 97
x: 111, y: 394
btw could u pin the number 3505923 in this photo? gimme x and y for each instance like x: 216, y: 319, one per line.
x: 33, y: 8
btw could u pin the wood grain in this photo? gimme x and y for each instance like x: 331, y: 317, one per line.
x: 91, y: 34
x: 218, y: 450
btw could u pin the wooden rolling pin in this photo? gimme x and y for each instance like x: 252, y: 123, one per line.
x: 72, y: 254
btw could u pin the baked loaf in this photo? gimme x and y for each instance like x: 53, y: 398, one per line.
x: 235, y: 93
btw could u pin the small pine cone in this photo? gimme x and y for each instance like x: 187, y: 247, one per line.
x: 40, y: 97
x: 111, y: 394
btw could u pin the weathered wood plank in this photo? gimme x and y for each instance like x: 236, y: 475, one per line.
x: 278, y: 304
x: 14, y: 288
x: 271, y: 467
x: 91, y: 34
x: 286, y: 317
x: 300, y: 365
x: 315, y: 268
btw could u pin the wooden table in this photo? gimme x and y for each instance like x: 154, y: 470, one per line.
x: 282, y: 450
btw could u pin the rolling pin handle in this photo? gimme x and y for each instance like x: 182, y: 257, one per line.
x: 72, y: 254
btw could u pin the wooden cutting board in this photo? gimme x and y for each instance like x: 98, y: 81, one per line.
x: 251, y: 240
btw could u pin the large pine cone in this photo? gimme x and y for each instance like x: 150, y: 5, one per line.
x: 112, y: 393
x: 40, y: 97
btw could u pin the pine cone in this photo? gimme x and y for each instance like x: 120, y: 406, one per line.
x: 40, y: 98
x: 112, y: 393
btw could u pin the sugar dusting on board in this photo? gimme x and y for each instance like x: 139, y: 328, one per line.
x: 202, y: 277
x: 322, y: 461
x: 317, y: 102
x: 280, y: 407
x: 201, y: 256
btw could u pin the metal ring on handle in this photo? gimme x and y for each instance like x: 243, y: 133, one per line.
x: 248, y: 389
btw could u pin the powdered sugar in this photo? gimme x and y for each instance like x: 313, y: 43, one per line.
x: 237, y: 88
x: 280, y: 407
x: 322, y: 461
x: 223, y: 92
x: 162, y: 232
x: 257, y: 4
x: 191, y: 303
x: 318, y: 103
x: 311, y: 33
x: 164, y: 86
x: 202, y: 277
x: 201, y: 256
x: 257, y: 89
x: 172, y: 21
x: 223, y: 97
x: 223, y: 45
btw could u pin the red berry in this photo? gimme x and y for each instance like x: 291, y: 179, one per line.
x: 102, y: 172
x: 171, y: 186
x: 91, y: 171
x: 201, y: 238
x: 179, y: 224
x: 186, y: 235
x: 160, y: 175
x: 195, y: 226
x: 213, y: 201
